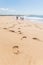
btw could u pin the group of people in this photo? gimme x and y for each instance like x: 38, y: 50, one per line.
x: 21, y: 18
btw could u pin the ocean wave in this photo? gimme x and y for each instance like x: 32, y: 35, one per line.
x: 36, y: 19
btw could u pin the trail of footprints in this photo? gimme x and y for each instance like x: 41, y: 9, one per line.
x: 23, y: 37
x: 16, y: 49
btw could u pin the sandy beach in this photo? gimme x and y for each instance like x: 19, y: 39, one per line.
x: 21, y: 42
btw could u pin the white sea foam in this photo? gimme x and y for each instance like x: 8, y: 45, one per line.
x: 34, y: 19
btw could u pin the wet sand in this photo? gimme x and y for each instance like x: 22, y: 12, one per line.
x: 21, y: 42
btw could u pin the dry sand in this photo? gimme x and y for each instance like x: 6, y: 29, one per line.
x: 21, y: 42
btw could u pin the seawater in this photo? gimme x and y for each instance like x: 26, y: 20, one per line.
x: 35, y: 18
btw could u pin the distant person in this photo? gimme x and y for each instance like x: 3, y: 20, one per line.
x: 22, y: 18
x: 16, y: 17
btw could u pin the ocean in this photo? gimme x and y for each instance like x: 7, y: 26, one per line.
x: 35, y: 18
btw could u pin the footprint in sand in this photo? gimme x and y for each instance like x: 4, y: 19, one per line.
x: 5, y: 28
x: 16, y: 49
x: 19, y: 28
x: 20, y: 32
x: 34, y: 38
x: 11, y: 30
x: 24, y: 37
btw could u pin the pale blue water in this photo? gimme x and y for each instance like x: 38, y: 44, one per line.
x: 35, y: 18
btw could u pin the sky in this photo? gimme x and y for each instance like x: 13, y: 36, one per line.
x: 27, y: 7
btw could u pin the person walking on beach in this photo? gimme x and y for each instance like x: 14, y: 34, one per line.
x: 16, y: 17
x: 21, y: 18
